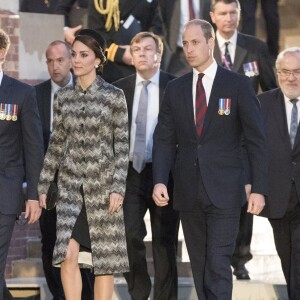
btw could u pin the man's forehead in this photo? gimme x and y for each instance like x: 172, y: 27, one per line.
x: 144, y: 41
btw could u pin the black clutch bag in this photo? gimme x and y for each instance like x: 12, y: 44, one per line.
x: 52, y: 195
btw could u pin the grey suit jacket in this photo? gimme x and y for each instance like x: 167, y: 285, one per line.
x: 21, y: 149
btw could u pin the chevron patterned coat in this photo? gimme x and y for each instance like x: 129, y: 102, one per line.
x: 89, y: 146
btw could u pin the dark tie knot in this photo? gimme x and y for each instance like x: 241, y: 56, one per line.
x: 200, y: 76
x: 226, y: 44
x: 294, y: 101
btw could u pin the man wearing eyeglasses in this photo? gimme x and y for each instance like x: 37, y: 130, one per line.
x: 281, y: 111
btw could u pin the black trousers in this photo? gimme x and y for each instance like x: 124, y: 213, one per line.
x: 287, y: 241
x: 210, y: 235
x: 242, y: 252
x: 52, y: 274
x: 164, y: 227
x: 271, y: 16
x: 7, y: 223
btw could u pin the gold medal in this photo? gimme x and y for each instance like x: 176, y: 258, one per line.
x: 2, y: 111
x: 15, y: 112
x: 8, y: 111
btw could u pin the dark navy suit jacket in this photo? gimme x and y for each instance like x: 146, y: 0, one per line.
x: 21, y: 146
x: 217, y: 153
x: 283, y: 161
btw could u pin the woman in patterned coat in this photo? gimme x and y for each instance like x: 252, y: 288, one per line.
x: 89, y: 148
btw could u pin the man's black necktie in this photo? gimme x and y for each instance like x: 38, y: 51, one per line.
x: 227, y: 63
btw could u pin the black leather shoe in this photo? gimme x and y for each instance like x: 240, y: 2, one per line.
x: 241, y: 273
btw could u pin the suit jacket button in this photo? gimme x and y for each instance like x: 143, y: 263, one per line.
x: 294, y: 163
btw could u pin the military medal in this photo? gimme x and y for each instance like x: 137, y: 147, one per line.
x: 2, y: 111
x: 8, y: 110
x: 221, y: 106
x: 227, y: 106
x: 15, y: 112
x: 251, y: 69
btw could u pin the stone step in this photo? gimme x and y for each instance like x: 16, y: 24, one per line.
x: 250, y: 290
x: 265, y: 264
x: 29, y: 267
x: 34, y: 248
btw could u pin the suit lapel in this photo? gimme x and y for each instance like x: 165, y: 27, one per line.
x: 279, y: 113
x: 163, y: 80
x: 129, y: 95
x: 217, y: 53
x: 213, y: 101
x: 5, y: 89
x: 240, y: 53
x: 189, y: 105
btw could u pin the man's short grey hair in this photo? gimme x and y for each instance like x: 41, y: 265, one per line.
x: 284, y: 52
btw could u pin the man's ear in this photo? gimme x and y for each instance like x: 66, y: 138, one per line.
x: 212, y: 16
x: 158, y: 58
x: 2, y: 54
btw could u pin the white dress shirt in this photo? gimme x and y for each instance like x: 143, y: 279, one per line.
x: 185, y: 16
x: 207, y: 81
x: 1, y: 76
x: 231, y: 46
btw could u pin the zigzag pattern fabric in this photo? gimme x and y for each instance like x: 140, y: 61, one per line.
x: 89, y: 145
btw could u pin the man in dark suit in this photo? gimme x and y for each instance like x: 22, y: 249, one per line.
x: 118, y: 25
x: 246, y: 55
x: 202, y: 119
x: 146, y: 49
x: 58, y: 58
x: 174, y: 15
x: 280, y: 109
x: 21, y: 154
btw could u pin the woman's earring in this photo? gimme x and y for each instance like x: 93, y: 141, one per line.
x: 96, y: 66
